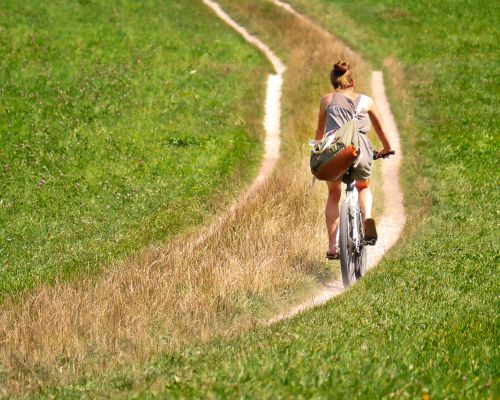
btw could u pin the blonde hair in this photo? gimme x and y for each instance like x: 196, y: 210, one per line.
x: 341, y: 76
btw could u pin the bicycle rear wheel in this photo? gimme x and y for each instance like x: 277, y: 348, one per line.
x: 346, y: 245
x: 360, y: 269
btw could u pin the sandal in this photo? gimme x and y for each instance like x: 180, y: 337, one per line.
x: 333, y: 256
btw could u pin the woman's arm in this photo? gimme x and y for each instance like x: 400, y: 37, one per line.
x: 377, y: 125
x: 320, y: 130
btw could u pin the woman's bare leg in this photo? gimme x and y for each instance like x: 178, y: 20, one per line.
x: 365, y: 198
x: 332, y: 214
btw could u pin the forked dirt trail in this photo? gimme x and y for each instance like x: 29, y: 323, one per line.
x: 393, y: 218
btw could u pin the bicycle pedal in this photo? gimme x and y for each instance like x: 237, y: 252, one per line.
x: 370, y: 242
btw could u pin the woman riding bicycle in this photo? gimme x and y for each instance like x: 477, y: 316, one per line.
x: 336, y: 109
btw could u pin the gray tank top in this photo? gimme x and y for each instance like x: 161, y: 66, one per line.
x: 342, y: 109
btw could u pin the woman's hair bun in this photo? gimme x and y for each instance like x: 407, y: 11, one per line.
x: 340, y: 68
x: 341, y: 75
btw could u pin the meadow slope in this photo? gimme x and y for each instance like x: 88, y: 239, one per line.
x: 423, y: 322
x: 197, y: 286
x: 112, y: 136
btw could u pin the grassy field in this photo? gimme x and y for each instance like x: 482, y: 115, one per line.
x: 121, y: 123
x: 186, y: 291
x: 425, y: 321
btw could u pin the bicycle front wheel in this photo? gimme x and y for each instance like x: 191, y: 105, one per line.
x: 347, y: 246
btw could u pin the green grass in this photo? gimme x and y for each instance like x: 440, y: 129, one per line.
x: 121, y: 123
x: 425, y: 321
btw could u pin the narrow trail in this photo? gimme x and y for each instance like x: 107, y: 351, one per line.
x: 393, y: 219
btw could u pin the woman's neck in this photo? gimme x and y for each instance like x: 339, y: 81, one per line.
x: 346, y: 91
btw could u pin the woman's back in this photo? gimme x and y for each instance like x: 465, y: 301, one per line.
x: 342, y: 109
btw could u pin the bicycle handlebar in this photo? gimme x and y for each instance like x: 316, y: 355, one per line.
x: 386, y: 155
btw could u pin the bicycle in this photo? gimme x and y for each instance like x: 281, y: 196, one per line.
x: 352, y: 242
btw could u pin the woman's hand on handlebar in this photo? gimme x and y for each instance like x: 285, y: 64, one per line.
x: 385, y: 152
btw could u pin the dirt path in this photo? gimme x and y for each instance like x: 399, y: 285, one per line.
x: 393, y: 218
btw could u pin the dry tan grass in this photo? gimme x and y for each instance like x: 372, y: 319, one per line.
x: 188, y: 290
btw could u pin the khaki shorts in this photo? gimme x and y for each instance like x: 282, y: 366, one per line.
x: 364, y: 168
